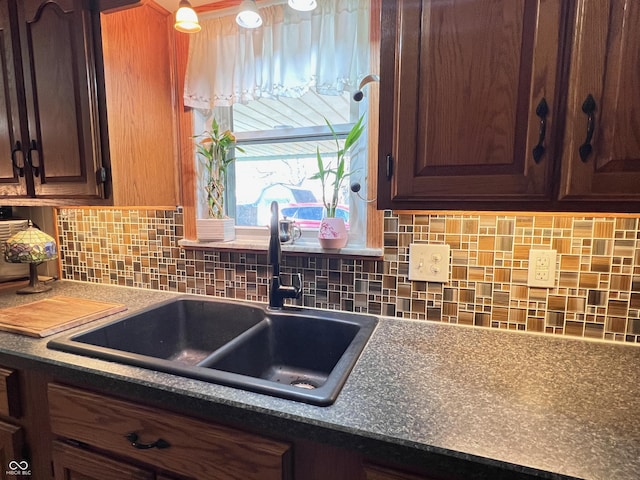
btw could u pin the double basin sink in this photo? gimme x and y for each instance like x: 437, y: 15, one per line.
x: 294, y: 353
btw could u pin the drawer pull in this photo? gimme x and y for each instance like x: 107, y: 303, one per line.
x: 133, y: 438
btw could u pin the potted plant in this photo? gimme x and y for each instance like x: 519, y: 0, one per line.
x: 333, y: 232
x: 214, y: 148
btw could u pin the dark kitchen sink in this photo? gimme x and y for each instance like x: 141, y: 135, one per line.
x: 299, y: 354
x: 183, y: 331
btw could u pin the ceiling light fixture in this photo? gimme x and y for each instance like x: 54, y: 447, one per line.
x: 248, y: 15
x: 303, y: 5
x: 186, y: 18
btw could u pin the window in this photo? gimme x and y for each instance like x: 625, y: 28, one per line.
x: 279, y: 161
x: 276, y: 104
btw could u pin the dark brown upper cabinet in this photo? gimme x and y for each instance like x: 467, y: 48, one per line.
x: 87, y: 104
x: 481, y: 105
x: 466, y: 78
x: 12, y: 160
x: 601, y: 154
x: 52, y: 148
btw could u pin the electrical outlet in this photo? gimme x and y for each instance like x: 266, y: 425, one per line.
x: 429, y: 262
x: 542, y: 268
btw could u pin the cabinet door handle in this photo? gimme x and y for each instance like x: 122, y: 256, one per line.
x: 389, y: 166
x: 17, y: 169
x: 34, y: 168
x: 542, y: 110
x: 133, y: 438
x: 589, y: 108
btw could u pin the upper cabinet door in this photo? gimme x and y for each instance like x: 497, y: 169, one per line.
x: 601, y: 157
x: 12, y: 171
x: 467, y: 94
x: 59, y: 75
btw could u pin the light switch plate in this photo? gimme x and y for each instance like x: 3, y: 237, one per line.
x: 542, y: 268
x: 429, y: 262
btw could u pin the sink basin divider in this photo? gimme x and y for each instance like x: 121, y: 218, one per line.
x: 232, y: 344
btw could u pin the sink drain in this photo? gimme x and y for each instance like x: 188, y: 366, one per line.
x: 304, y: 384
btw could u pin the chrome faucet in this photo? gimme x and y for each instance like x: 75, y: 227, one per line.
x: 278, y: 292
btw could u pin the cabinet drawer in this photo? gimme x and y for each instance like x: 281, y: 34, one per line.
x: 11, y: 446
x: 9, y: 393
x: 75, y: 463
x: 195, y: 448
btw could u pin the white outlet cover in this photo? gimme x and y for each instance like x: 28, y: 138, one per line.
x: 429, y: 262
x: 542, y: 268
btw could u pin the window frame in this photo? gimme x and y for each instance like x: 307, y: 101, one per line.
x: 186, y: 152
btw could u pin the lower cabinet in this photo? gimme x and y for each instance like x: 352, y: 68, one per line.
x: 166, y: 442
x: 11, y: 448
x: 76, y: 463
x: 375, y: 472
x: 10, y: 402
x: 316, y: 461
x: 13, y: 458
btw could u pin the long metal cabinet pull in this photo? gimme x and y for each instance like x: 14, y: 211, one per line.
x: 389, y: 166
x: 16, y: 168
x: 589, y: 108
x: 542, y: 110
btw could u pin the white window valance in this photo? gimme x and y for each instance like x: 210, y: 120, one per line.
x: 326, y: 49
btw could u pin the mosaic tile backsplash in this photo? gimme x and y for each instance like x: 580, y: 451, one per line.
x: 597, y: 293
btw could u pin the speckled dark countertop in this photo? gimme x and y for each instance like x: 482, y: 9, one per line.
x: 530, y: 403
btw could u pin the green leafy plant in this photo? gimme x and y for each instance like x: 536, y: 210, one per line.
x: 214, y: 147
x: 334, y: 175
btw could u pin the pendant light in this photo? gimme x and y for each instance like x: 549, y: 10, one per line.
x: 303, y: 5
x: 186, y: 18
x: 248, y: 15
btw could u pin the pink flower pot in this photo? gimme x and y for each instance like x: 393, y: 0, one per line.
x: 332, y: 233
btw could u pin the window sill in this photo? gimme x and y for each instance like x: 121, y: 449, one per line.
x: 257, y: 240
